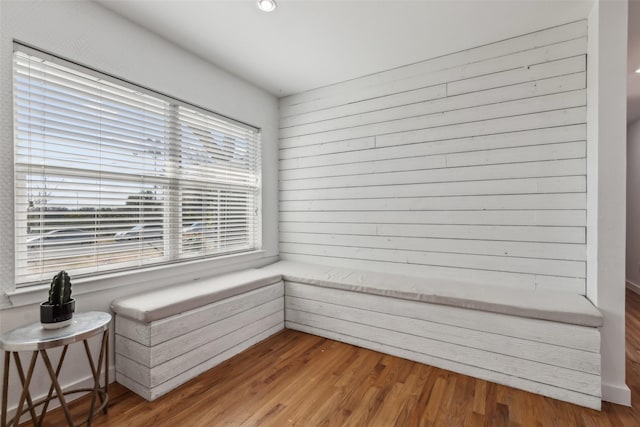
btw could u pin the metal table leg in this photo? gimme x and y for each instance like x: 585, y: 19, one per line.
x: 56, y: 385
x: 96, y: 375
x: 105, y: 410
x: 25, y: 387
x: 51, y: 388
x: 5, y: 388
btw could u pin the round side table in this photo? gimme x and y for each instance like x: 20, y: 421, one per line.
x: 36, y: 339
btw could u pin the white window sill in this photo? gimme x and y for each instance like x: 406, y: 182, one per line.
x: 160, y: 276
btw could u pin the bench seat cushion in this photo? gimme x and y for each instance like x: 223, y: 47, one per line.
x: 159, y: 304
x: 537, y: 304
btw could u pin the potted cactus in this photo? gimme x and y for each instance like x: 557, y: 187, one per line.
x: 58, y: 310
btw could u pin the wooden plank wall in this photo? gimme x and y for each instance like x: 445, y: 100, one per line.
x: 469, y: 166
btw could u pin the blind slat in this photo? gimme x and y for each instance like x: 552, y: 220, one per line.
x: 108, y: 177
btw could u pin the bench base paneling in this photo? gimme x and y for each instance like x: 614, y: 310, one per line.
x: 154, y: 358
x: 561, y: 361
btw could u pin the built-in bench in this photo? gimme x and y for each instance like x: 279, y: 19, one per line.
x: 166, y: 337
x: 540, y: 341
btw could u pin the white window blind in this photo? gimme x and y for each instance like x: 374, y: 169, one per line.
x: 109, y: 176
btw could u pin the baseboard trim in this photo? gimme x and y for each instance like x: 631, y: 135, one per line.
x: 616, y: 393
x: 634, y: 287
x: 82, y: 383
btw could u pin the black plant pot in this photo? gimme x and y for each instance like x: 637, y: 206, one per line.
x: 56, y: 316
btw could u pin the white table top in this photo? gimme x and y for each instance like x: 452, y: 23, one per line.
x: 34, y: 337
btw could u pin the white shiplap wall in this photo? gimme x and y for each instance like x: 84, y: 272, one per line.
x: 470, y: 166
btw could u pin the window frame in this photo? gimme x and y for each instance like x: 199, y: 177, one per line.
x: 175, y: 104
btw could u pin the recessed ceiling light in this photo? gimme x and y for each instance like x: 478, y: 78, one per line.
x: 638, y: 71
x: 267, y: 5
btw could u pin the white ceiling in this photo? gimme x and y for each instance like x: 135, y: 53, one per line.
x: 306, y: 44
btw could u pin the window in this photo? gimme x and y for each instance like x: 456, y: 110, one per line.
x: 110, y: 176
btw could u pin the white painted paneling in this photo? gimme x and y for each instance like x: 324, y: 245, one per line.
x: 578, y: 398
x: 461, y: 65
x: 479, y: 232
x: 441, y: 231
x: 567, y: 150
x: 575, y: 252
x: 480, y: 277
x: 569, y: 167
x: 548, y: 218
x: 153, y: 358
x: 331, y: 147
x: 553, y: 102
x: 171, y: 327
x: 369, y: 105
x: 451, y: 203
x: 554, y: 333
x: 364, y: 149
x: 559, y: 377
x: 165, y: 387
x: 551, y: 118
x: 567, y: 184
x: 156, y: 375
x: 508, y: 46
x: 194, y: 339
x: 522, y: 74
x: 564, y: 83
x: 514, y: 346
x: 469, y: 166
x: 550, y: 267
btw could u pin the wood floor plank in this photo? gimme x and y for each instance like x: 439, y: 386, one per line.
x: 297, y: 379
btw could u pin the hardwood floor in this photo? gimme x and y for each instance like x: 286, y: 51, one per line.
x: 295, y: 379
